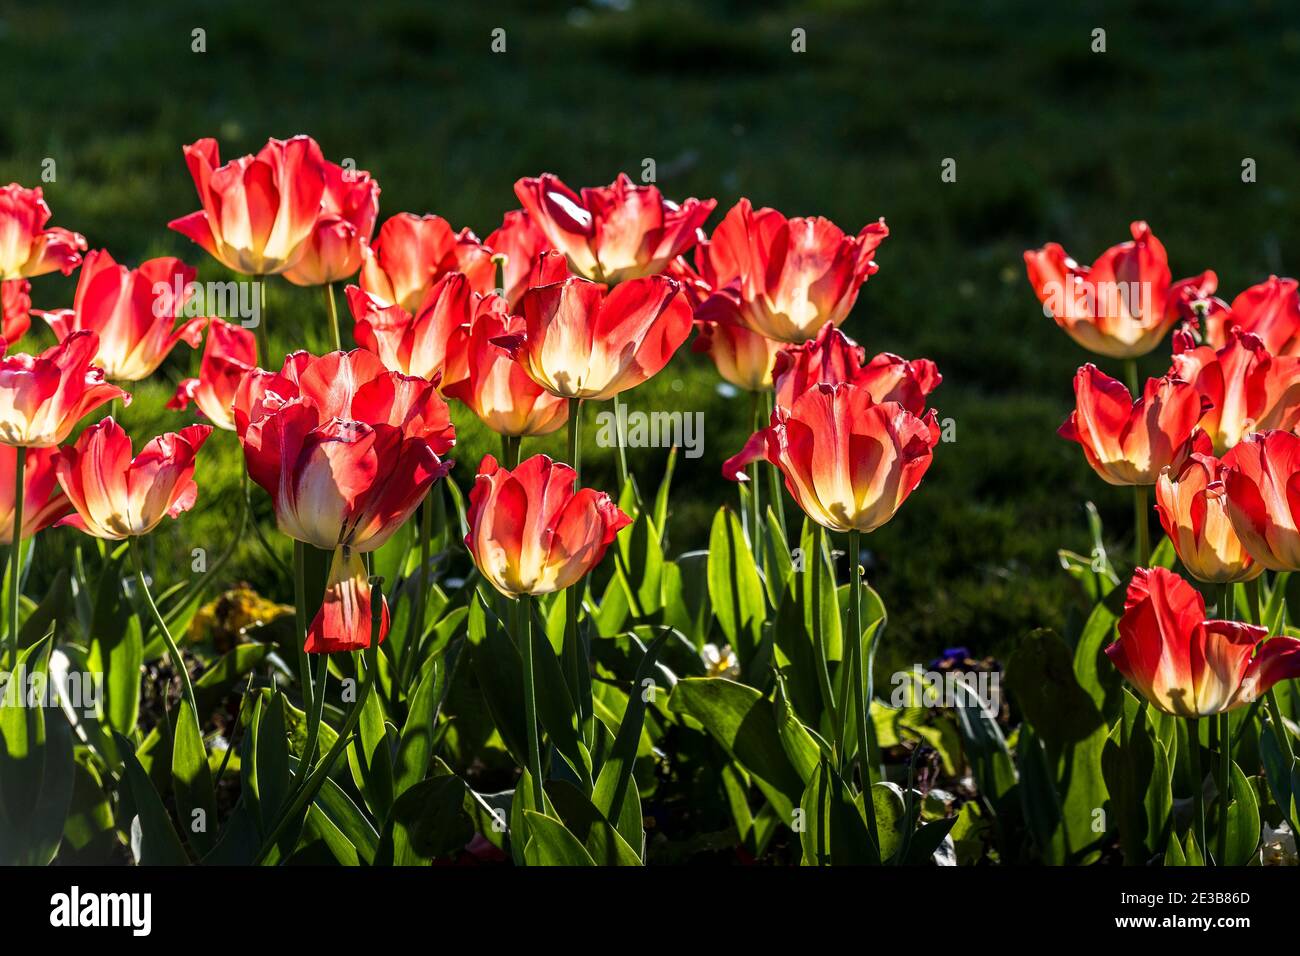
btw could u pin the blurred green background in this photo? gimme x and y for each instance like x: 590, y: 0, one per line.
x: 1051, y: 140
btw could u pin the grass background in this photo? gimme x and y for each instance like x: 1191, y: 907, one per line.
x: 1051, y: 141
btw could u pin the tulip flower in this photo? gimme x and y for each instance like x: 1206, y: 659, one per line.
x: 44, y: 502
x: 430, y: 344
x: 349, y: 208
x: 117, y: 496
x: 1192, y: 505
x: 833, y: 357
x: 531, y: 533
x: 134, y: 312
x: 1248, y: 388
x: 496, y: 388
x: 1128, y: 442
x: 743, y: 357
x: 1123, y: 305
x: 523, y: 245
x: 850, y: 462
x: 1262, y: 503
x: 1186, y: 665
x: 27, y: 248
x: 785, y: 278
x: 581, y: 342
x: 259, y: 212
x: 229, y: 355
x: 347, y: 450
x: 16, y: 300
x: 412, y: 253
x: 612, y: 233
x: 43, y: 396
x: 1269, y: 310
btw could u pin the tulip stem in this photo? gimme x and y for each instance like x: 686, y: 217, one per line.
x: 775, y: 499
x: 316, y: 779
x: 620, y: 440
x: 510, y: 445
x: 754, y: 496
x: 1198, y: 781
x: 300, y: 622
x: 573, y: 656
x: 525, y: 637
x: 187, y: 688
x: 16, y: 549
x: 819, y: 641
x: 263, y: 339
x: 1225, y: 777
x: 1274, y: 711
x: 1131, y: 373
x: 334, y: 317
x: 861, y: 692
x: 415, y: 634
x: 1141, y: 524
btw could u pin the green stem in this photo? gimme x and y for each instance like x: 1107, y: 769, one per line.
x: 334, y: 317
x: 1131, y: 373
x: 620, y: 440
x: 317, y: 708
x: 16, y: 550
x: 530, y: 701
x: 187, y: 688
x: 300, y: 621
x: 1198, y: 781
x: 510, y: 447
x: 755, y: 509
x: 262, y: 336
x: 819, y: 640
x: 1280, y: 732
x: 1225, y: 777
x: 1142, y: 525
x: 776, y: 499
x: 861, y: 691
x: 415, y: 633
x: 573, y: 656
x: 316, y: 779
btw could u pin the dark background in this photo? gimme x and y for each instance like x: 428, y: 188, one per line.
x: 1052, y: 142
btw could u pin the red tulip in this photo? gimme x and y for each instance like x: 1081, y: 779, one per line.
x: 43, y: 396
x: 785, y: 278
x: 430, y: 344
x: 1121, y: 307
x: 134, y: 312
x: 412, y: 253
x: 613, y: 233
x: 258, y: 211
x: 349, y: 208
x: 743, y: 357
x: 43, y: 500
x: 849, y: 461
x: 1192, y: 505
x: 496, y: 387
x: 581, y: 342
x: 531, y: 533
x: 1128, y: 442
x: 833, y: 357
x: 523, y: 245
x: 27, y: 248
x: 1248, y: 388
x: 230, y: 354
x: 1186, y: 665
x: 117, y: 496
x: 347, y: 450
x: 16, y: 298
x: 1264, y: 497
x: 1269, y: 310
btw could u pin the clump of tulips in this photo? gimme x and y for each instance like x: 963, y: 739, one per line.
x: 352, y: 729
x: 1214, y: 435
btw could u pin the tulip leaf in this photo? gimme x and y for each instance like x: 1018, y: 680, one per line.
x: 550, y: 844
x: 555, y: 707
x: 196, y: 802
x: 986, y: 750
x: 602, y: 841
x: 735, y: 589
x: 271, y: 761
x: 427, y: 822
x: 496, y: 665
x: 1138, y: 777
x: 741, y: 721
x: 153, y: 839
x: 116, y: 650
x: 641, y: 567
x: 370, y: 758
x: 1092, y: 669
x: 833, y: 828
x: 1243, y: 820
x: 415, y: 749
x: 1283, y: 774
x: 661, y: 496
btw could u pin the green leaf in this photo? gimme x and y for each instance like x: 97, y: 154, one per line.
x: 550, y: 844
x: 603, y: 843
x: 371, y: 760
x: 1138, y: 776
x: 1243, y: 821
x: 834, y: 829
x: 641, y: 568
x: 196, y: 802
x: 735, y: 589
x: 661, y: 496
x: 741, y: 721
x: 153, y: 839
x: 271, y: 762
x: 427, y: 822
x: 415, y: 749
x: 116, y: 650
x: 555, y: 707
x: 891, y: 818
x: 495, y: 661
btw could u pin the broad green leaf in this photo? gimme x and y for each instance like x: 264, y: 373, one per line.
x: 550, y: 844
x: 735, y: 589
x: 153, y: 839
x: 427, y: 822
x: 196, y: 802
